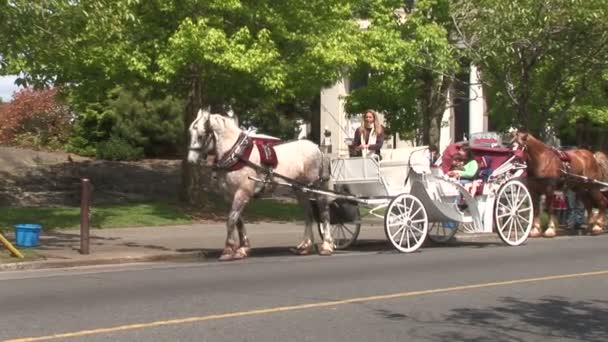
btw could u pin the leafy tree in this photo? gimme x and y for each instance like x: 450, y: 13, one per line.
x: 538, y: 58
x: 251, y: 55
x: 411, y: 63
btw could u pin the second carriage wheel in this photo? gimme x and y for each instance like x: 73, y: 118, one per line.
x: 513, y: 212
x: 344, y: 234
x: 406, y: 223
x: 442, y: 232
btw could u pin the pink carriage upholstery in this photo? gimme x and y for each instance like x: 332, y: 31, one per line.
x: 489, y: 158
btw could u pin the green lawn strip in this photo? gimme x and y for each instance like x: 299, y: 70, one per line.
x: 141, y: 214
x: 126, y: 215
x: 270, y: 210
x: 28, y: 255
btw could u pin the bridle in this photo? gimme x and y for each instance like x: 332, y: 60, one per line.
x: 205, y: 139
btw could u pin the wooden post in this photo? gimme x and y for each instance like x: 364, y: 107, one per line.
x: 85, y: 212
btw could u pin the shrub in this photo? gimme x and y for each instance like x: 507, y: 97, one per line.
x: 118, y: 148
x: 35, y: 118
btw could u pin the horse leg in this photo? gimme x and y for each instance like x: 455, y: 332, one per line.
x: 550, y: 231
x: 239, y: 202
x: 244, y: 246
x: 536, y: 229
x: 587, y: 199
x: 598, y: 219
x: 307, y: 244
x: 327, y: 247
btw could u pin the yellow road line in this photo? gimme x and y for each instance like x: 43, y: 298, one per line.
x: 304, y: 306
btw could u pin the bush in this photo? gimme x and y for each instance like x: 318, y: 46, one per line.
x: 92, y: 127
x: 118, y: 148
x: 139, y: 120
x: 35, y: 119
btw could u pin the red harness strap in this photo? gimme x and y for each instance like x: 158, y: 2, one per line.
x: 268, y: 156
x: 563, y: 156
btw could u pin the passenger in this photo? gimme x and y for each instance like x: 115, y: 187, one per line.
x: 369, y: 136
x: 467, y: 175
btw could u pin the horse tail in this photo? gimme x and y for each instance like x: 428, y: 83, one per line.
x: 602, y: 161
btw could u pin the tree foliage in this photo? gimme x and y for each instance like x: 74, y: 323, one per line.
x: 539, y: 58
x: 411, y: 62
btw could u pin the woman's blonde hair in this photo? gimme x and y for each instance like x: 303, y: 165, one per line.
x: 377, y: 126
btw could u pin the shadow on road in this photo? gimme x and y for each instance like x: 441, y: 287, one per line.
x: 547, y: 318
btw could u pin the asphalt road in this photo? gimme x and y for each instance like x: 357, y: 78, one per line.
x: 553, y: 290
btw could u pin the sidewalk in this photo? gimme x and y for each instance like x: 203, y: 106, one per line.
x: 196, y: 242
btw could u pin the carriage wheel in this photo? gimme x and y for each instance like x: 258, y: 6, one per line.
x: 406, y: 223
x: 513, y: 212
x: 343, y: 234
x: 442, y: 232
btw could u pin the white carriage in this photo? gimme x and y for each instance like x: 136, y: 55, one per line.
x: 417, y: 201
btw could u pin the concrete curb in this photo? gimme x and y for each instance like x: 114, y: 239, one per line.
x: 46, y: 264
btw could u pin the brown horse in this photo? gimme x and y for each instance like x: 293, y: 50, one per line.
x: 550, y: 169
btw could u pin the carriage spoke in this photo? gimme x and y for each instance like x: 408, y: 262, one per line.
x: 411, y: 208
x: 508, y: 199
x: 398, y: 206
x: 503, y: 215
x: 504, y: 206
x: 413, y: 227
x: 403, y: 231
x: 509, y: 230
x: 517, y: 197
x: 521, y: 202
x: 400, y: 230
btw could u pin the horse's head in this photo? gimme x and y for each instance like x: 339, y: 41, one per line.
x: 201, y: 137
x: 519, y: 138
x: 205, y: 131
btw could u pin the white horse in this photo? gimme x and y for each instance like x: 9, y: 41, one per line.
x: 301, y: 162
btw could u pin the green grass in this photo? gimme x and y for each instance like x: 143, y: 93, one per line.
x: 127, y: 215
x: 141, y: 214
x: 28, y: 255
x: 268, y: 210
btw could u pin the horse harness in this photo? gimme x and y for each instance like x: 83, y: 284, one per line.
x: 238, y: 157
x: 564, y: 158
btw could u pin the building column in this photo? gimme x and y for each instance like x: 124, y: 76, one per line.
x: 447, y: 125
x: 333, y: 116
x: 478, y: 116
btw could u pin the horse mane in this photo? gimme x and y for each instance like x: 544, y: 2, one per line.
x: 602, y: 161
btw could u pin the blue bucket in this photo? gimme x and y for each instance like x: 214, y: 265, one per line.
x: 27, y: 235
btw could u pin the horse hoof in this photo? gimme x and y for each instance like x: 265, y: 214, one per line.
x: 549, y: 233
x: 241, y: 253
x: 325, y: 252
x: 301, y: 251
x: 227, y: 254
x: 596, y: 230
x: 326, y: 249
x: 535, y: 232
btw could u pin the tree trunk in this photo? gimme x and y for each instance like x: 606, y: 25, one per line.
x: 192, y: 189
x: 434, y: 105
